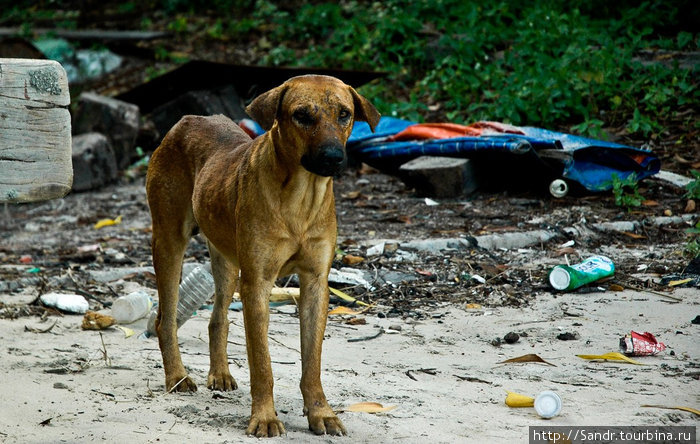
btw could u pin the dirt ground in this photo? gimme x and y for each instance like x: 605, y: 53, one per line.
x: 442, y: 328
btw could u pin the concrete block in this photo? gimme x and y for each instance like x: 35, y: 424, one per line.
x: 434, y: 176
x: 200, y: 103
x: 117, y: 120
x: 94, y: 162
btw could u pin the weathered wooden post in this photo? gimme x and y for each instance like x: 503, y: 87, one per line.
x: 35, y: 131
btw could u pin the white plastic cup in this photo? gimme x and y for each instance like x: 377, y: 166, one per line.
x: 131, y: 307
x: 547, y: 404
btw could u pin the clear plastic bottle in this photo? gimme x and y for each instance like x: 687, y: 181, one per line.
x: 195, y: 289
x: 132, y: 307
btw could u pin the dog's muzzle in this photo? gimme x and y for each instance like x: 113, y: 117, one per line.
x: 327, y: 161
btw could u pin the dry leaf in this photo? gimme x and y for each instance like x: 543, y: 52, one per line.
x: 686, y: 409
x: 689, y: 206
x: 527, y: 358
x: 616, y: 287
x: 368, y: 407
x: 473, y: 306
x: 343, y: 311
x: 356, y: 321
x: 613, y: 356
x: 350, y: 259
x: 650, y: 203
x: 633, y: 235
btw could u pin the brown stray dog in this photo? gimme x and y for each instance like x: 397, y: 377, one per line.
x: 266, y: 207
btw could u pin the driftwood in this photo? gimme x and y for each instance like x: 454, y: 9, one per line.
x: 35, y: 131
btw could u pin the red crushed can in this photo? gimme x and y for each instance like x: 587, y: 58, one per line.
x: 640, y: 344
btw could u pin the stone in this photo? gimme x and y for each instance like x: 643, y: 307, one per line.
x: 116, y: 119
x: 437, y: 176
x: 94, y: 162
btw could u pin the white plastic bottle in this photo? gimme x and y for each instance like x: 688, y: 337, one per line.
x: 195, y: 289
x: 131, y: 307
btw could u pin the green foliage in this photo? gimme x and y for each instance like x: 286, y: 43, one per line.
x: 526, y: 63
x: 692, y: 247
x: 626, y: 192
x: 693, y: 188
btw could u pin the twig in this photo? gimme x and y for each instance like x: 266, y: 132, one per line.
x: 110, y: 395
x: 178, y: 383
x: 157, y: 438
x: 108, y: 361
x: 658, y: 293
x: 471, y: 379
x: 367, y: 338
x: 283, y: 345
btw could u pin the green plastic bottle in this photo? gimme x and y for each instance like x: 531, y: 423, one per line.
x: 564, y: 277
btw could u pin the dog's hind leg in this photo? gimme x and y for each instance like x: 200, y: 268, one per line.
x: 173, y: 223
x: 226, y: 280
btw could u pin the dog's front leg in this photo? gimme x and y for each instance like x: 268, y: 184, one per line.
x: 255, y: 294
x: 313, y: 312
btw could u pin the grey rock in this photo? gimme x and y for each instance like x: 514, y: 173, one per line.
x: 94, y: 162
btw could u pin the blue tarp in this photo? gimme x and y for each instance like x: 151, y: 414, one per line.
x: 588, y: 162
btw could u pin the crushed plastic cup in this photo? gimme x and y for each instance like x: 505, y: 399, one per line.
x: 547, y: 404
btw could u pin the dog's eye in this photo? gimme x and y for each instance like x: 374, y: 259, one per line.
x: 303, y: 117
x: 344, y: 115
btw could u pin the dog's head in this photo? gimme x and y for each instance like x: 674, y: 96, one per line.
x: 314, y: 114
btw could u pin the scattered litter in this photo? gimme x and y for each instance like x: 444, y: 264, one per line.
x: 34, y: 270
x: 527, y: 358
x: 25, y: 259
x: 685, y: 409
x: 127, y: 331
x: 696, y: 320
x: 564, y: 277
x: 132, y: 307
x: 367, y: 407
x: 97, y: 321
x: 640, y: 344
x: 478, y: 278
x: 108, y: 222
x: 517, y: 400
x: 612, y: 356
x: 430, y: 202
x: 346, y: 297
x: 349, y: 276
x: 547, y: 404
x: 70, y: 303
x: 376, y: 250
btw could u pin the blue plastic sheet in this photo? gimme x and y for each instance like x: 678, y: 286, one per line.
x: 588, y: 162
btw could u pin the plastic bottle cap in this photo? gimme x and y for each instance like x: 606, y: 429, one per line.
x: 559, y: 278
x: 547, y: 404
x: 558, y: 188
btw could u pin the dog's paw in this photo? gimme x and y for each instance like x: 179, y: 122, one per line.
x: 263, y: 426
x: 180, y: 384
x: 326, y: 424
x: 221, y: 381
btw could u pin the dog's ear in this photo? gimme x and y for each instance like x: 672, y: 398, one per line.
x: 364, y: 110
x: 265, y: 107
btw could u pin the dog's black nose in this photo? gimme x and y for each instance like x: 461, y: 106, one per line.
x: 328, y: 161
x: 332, y: 156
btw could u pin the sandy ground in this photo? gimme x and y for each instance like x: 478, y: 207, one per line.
x: 442, y: 374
